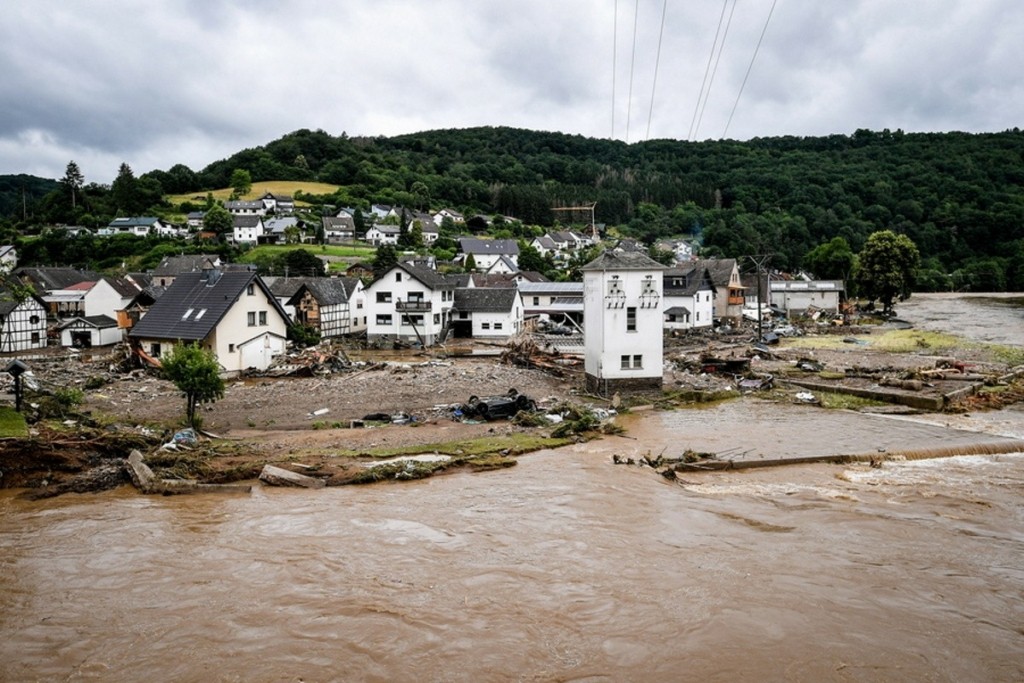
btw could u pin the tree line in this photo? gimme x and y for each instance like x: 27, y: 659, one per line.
x: 958, y: 197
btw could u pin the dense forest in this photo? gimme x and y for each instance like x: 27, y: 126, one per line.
x: 959, y: 197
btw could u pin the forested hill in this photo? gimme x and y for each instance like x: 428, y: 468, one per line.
x: 959, y: 196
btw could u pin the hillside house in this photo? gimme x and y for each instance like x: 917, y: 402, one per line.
x: 233, y: 314
x: 379, y: 235
x: 140, y: 226
x: 487, y: 313
x: 277, y: 203
x: 456, y: 217
x: 247, y: 229
x: 409, y: 303
x: 243, y: 208
x: 486, y: 252
x: 172, y: 266
x: 339, y: 228
x: 334, y: 306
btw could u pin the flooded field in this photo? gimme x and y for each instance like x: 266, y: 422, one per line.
x: 563, y: 568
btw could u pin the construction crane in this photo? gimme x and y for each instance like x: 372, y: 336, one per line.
x: 588, y: 207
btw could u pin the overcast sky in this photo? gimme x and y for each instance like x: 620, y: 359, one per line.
x: 159, y: 82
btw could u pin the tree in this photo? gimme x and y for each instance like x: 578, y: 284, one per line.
x: 124, y: 190
x: 73, y: 181
x: 385, y: 259
x: 196, y: 373
x: 218, y: 220
x: 470, y: 263
x: 302, y: 262
x: 887, y: 268
x: 241, y: 181
x: 360, y: 224
x: 831, y: 261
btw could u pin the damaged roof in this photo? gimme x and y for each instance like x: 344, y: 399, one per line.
x: 622, y: 260
x: 328, y: 291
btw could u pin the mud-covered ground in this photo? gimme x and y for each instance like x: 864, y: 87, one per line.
x: 305, y: 419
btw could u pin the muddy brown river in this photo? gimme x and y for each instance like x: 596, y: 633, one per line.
x: 563, y: 568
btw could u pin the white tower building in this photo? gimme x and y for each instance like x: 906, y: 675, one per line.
x: 622, y: 322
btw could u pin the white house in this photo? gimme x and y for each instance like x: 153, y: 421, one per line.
x: 409, y: 303
x: 247, y: 229
x: 243, y: 208
x: 487, y: 312
x: 486, y: 251
x: 622, y: 322
x: 233, y: 314
x: 383, y: 234
x: 503, y: 265
x: 89, y: 331
x: 456, y: 217
x: 339, y: 228
x: 689, y: 298
x: 138, y: 225
x: 561, y: 302
x: 22, y: 322
x: 89, y: 298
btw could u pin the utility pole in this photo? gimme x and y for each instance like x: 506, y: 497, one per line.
x: 760, y: 261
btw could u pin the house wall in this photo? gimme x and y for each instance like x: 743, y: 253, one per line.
x: 797, y: 302
x: 701, y: 306
x: 98, y: 337
x: 234, y: 330
x: 386, y: 322
x: 24, y: 328
x: 103, y: 299
x: 607, y: 338
x: 498, y: 324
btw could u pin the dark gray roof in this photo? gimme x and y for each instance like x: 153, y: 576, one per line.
x: 485, y: 299
x: 341, y: 223
x: 286, y: 287
x: 185, y: 263
x: 130, y: 221
x: 622, y: 260
x: 122, y: 286
x: 328, y: 291
x: 97, y: 321
x: 431, y: 278
x: 719, y: 269
x: 193, y: 292
x: 53, y: 277
x: 246, y: 221
x: 694, y: 278
x: 472, y: 245
x: 677, y: 310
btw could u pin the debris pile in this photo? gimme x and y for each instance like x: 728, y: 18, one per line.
x: 523, y: 351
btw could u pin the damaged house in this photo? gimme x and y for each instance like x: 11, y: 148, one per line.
x: 22, y: 322
x: 234, y: 314
x: 336, y: 306
x: 409, y: 303
x: 689, y: 297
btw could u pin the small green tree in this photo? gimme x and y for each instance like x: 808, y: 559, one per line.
x: 887, y: 267
x: 218, y: 220
x: 385, y: 259
x: 196, y: 373
x: 73, y: 181
x: 241, y: 181
x: 831, y: 261
x: 470, y: 263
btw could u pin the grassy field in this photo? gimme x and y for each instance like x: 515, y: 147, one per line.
x: 12, y: 423
x: 349, y: 253
x: 286, y: 187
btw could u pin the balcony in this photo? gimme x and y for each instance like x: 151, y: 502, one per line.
x: 413, y: 306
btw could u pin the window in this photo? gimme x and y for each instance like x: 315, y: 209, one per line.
x: 263, y: 318
x: 398, y: 277
x: 187, y: 314
x: 383, y: 319
x: 536, y: 301
x: 638, y: 362
x: 383, y: 297
x: 359, y: 305
x: 412, y: 319
x: 35, y: 338
x: 250, y: 290
x: 201, y: 313
x: 497, y: 326
x: 624, y: 360
x: 634, y: 363
x: 485, y: 326
x: 231, y: 348
x: 631, y: 319
x: 154, y: 350
x: 251, y: 318
x: 34, y: 320
x: 437, y: 319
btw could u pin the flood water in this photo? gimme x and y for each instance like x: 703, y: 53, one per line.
x: 563, y: 568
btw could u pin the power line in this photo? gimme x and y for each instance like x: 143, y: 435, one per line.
x: 749, y: 67
x: 707, y: 69
x: 615, y: 35
x: 632, y: 63
x: 714, y: 70
x: 657, y: 62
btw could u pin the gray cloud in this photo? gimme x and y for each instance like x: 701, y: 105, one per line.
x: 192, y: 81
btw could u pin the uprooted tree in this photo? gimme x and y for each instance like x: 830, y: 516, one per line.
x: 196, y: 373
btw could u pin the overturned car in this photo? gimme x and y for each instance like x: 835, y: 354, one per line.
x: 498, y: 407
